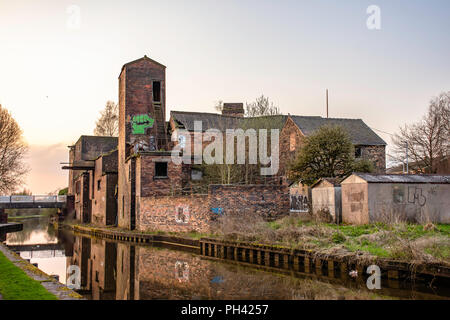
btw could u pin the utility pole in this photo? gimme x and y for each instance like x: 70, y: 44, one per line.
x: 327, y: 103
x: 407, y: 164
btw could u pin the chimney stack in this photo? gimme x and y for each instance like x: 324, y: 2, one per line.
x: 233, y: 109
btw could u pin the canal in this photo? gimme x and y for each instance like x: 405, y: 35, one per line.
x: 128, y: 271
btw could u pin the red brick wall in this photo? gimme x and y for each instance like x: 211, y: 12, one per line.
x: 267, y: 201
x: 148, y: 185
x: 288, y: 135
x: 160, y: 213
x: 82, y: 198
x: 135, y: 97
x: 376, y: 154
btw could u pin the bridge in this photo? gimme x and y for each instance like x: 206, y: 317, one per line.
x: 47, y: 250
x: 29, y: 202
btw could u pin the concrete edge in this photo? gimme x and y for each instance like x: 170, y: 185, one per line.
x: 61, y: 291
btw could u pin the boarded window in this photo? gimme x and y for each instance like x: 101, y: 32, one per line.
x: 160, y: 169
x: 398, y: 194
x: 196, y: 175
x: 156, y: 91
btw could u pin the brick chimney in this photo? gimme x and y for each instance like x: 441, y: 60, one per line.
x: 233, y: 109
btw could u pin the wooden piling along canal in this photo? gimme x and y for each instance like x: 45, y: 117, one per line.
x: 331, y: 267
x: 310, y: 262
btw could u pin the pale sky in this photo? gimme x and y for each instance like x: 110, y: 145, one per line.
x: 56, y: 75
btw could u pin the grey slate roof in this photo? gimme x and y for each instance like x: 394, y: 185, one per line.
x: 91, y: 147
x: 359, y: 132
x: 185, y: 120
x: 404, y: 178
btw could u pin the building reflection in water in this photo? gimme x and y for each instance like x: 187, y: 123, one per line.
x: 121, y: 271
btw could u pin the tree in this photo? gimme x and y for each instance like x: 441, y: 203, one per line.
x: 326, y: 153
x: 63, y: 192
x: 428, y: 140
x: 108, y: 123
x: 219, y: 105
x: 13, y: 150
x: 261, y: 107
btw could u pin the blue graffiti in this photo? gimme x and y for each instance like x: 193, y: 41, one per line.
x: 218, y: 211
x: 218, y: 279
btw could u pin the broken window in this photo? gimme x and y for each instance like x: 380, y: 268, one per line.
x: 156, y: 91
x: 358, y: 152
x: 160, y: 169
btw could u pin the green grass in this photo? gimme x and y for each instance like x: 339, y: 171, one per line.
x: 15, y: 284
x: 367, y: 246
x: 24, y: 217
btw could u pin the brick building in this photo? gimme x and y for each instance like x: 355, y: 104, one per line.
x: 155, y: 193
x: 93, y: 178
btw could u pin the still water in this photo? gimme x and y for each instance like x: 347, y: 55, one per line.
x: 123, y: 271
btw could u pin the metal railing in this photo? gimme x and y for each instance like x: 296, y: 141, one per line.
x: 32, y: 199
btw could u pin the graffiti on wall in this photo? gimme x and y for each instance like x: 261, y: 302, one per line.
x: 182, y: 214
x: 140, y: 122
x: 218, y: 211
x: 415, y: 196
x: 299, y: 203
x: 182, y: 271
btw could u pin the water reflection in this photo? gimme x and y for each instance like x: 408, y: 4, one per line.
x: 115, y: 270
x: 41, y: 244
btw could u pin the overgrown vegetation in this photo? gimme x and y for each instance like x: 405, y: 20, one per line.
x: 329, y: 153
x: 400, y: 241
x: 16, y: 285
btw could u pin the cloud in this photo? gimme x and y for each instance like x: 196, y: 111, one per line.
x: 46, y: 174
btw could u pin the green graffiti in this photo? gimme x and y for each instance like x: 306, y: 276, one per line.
x: 141, y: 122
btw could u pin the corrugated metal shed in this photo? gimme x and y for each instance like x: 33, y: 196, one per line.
x: 404, y: 178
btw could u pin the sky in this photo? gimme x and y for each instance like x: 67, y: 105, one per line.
x: 60, y: 61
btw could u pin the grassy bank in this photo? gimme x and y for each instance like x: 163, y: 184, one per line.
x: 401, y: 241
x: 15, y: 284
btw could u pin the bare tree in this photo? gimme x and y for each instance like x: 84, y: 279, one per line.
x: 427, y: 141
x: 108, y: 123
x: 13, y: 150
x: 261, y: 107
x: 219, y: 105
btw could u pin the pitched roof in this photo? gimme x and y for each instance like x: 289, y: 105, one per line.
x: 359, y: 132
x: 137, y: 60
x: 185, y: 120
x: 404, y: 178
x: 336, y: 182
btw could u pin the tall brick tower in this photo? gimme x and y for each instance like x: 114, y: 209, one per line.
x: 142, y: 114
